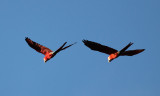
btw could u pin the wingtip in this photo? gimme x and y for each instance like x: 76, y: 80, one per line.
x: 143, y: 49
x: 84, y: 40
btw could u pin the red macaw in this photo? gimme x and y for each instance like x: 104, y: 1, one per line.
x: 113, y: 53
x: 44, y: 50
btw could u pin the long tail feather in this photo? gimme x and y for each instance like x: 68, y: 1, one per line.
x: 60, y: 48
x: 125, y: 48
x: 68, y: 46
x: 132, y: 52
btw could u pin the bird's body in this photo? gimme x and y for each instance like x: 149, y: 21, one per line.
x: 44, y: 50
x: 112, y: 56
x: 113, y: 53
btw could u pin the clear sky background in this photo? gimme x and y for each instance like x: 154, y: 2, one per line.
x: 79, y: 71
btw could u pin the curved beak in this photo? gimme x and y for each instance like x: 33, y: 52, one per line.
x: 44, y: 60
x: 109, y: 60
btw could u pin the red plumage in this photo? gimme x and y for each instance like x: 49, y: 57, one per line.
x: 44, y: 50
x: 39, y: 48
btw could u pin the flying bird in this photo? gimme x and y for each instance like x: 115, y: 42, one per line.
x: 113, y: 53
x: 44, y: 50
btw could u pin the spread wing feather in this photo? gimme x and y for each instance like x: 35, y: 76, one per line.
x: 37, y: 47
x: 98, y: 47
x: 132, y: 52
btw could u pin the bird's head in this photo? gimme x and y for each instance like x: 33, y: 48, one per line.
x: 110, y: 59
x: 45, y: 60
x: 48, y: 56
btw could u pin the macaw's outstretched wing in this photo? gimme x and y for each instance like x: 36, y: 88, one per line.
x: 38, y: 47
x: 132, y: 52
x: 98, y: 47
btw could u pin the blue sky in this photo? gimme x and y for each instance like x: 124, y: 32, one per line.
x: 79, y: 71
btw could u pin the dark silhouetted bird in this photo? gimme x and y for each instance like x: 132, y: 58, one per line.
x: 113, y: 53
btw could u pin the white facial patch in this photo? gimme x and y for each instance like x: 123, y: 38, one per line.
x: 108, y: 58
x: 44, y: 60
